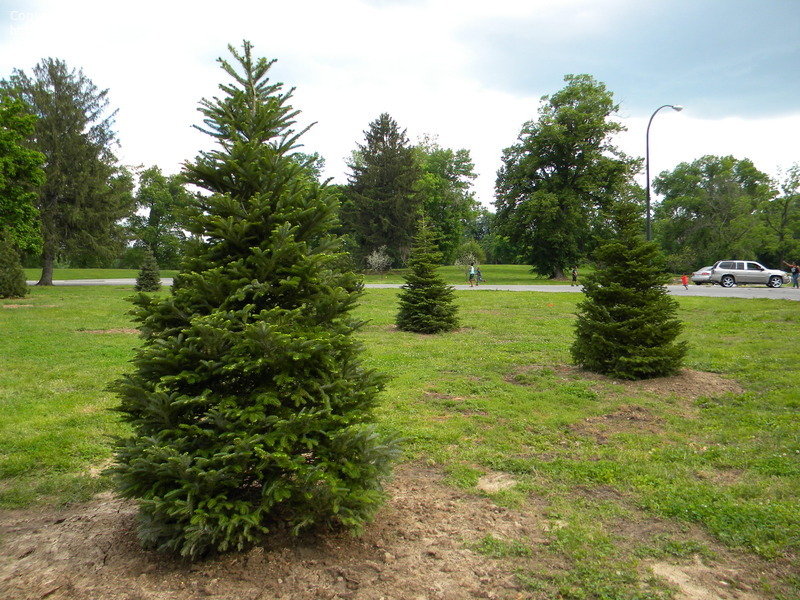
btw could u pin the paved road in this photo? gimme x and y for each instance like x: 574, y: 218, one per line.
x: 714, y: 291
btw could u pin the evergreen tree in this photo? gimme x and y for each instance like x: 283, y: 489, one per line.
x: 426, y: 302
x: 12, y: 277
x: 249, y: 402
x: 85, y: 194
x: 381, y: 206
x: 148, y: 279
x: 627, y: 325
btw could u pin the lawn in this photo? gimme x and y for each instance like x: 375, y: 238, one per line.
x: 492, y: 274
x: 34, y: 274
x: 712, y: 459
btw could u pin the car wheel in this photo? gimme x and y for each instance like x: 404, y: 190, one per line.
x: 775, y: 281
x: 727, y: 281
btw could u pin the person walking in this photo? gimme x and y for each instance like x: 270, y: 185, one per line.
x: 574, y: 276
x: 472, y: 273
x: 795, y: 272
x: 685, y: 281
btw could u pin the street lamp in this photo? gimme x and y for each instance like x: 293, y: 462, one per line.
x: 647, y: 161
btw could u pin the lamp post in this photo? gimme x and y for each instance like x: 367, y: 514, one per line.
x: 647, y: 161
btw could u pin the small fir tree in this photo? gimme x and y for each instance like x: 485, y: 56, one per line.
x: 627, y: 325
x: 426, y: 302
x: 249, y: 402
x: 148, y: 279
x: 12, y: 277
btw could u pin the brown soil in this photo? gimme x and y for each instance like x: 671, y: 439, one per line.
x: 418, y: 547
x: 625, y: 419
x: 686, y: 384
x: 421, y: 546
x: 29, y: 305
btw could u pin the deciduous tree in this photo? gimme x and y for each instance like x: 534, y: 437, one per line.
x: 161, y: 201
x: 20, y: 174
x: 561, y: 175
x: 781, y: 216
x: 709, y: 211
x: 445, y: 193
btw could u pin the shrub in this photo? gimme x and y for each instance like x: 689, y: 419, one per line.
x: 12, y: 277
x: 378, y: 260
x: 148, y: 279
x: 470, y: 252
x: 249, y: 402
x: 426, y: 301
x: 627, y: 325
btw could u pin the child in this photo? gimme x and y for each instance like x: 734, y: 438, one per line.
x: 685, y: 281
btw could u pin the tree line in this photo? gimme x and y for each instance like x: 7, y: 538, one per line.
x: 66, y: 200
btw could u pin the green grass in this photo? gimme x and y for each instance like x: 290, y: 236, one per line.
x: 492, y: 274
x: 493, y: 396
x: 34, y: 274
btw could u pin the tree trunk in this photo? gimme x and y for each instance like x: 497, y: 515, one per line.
x: 558, y: 273
x: 47, y: 268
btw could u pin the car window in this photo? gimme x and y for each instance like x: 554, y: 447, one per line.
x: 740, y: 266
x: 727, y: 265
x: 753, y: 267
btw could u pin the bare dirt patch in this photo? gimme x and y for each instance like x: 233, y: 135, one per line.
x: 29, y: 305
x: 103, y: 331
x: 624, y: 419
x: 492, y: 483
x: 697, y: 581
x: 688, y: 383
x: 418, y: 547
x: 421, y: 546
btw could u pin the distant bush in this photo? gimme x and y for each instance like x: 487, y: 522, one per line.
x: 12, y: 277
x: 470, y: 252
x: 378, y: 260
x: 148, y: 279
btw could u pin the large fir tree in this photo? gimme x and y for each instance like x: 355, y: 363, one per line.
x: 426, y: 301
x: 249, y: 401
x: 381, y: 205
x: 627, y: 325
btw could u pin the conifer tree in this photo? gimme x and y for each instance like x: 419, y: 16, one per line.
x: 426, y: 302
x: 381, y: 205
x: 148, y: 279
x: 12, y: 277
x: 627, y: 325
x: 249, y: 402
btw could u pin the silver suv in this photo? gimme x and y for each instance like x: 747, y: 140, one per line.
x: 728, y: 273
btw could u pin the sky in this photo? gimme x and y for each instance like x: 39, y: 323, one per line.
x: 470, y: 72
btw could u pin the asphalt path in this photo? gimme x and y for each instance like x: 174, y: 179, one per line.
x: 711, y: 291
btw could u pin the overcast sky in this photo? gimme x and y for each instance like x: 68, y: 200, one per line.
x: 468, y: 71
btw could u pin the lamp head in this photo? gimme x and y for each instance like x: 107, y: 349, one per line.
x: 677, y: 107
